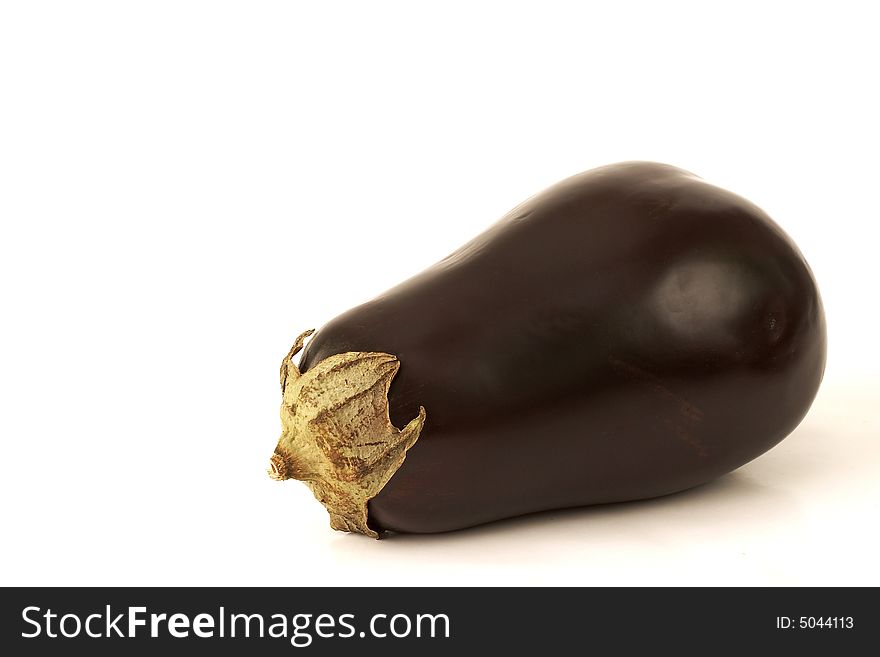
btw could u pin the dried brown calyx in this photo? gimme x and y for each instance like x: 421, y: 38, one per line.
x: 337, y: 435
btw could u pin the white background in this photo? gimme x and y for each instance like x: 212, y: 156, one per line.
x: 185, y: 186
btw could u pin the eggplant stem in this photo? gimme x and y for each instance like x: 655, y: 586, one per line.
x: 337, y: 435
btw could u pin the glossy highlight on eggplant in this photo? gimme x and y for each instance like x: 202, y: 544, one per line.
x: 630, y: 332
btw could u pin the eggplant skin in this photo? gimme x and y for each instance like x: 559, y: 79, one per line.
x: 630, y: 332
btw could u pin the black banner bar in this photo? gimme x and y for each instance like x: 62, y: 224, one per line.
x: 435, y: 621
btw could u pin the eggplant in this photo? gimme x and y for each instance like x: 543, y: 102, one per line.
x: 630, y: 332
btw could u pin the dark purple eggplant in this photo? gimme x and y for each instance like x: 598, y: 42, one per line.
x: 630, y: 332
